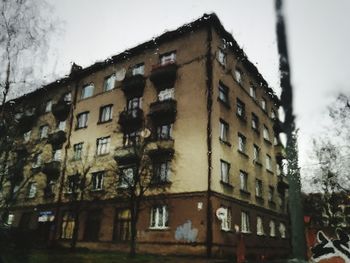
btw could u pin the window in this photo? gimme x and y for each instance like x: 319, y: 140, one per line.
x: 222, y: 57
x: 223, y: 93
x: 61, y: 126
x: 275, y: 141
x: 252, y: 92
x: 255, y: 122
x: 108, y: 83
x: 258, y: 188
x: 240, y: 108
x: 243, y: 181
x: 131, y: 138
x: 159, y: 217
x: 241, y: 143
x: 272, y: 226
x: 97, y: 181
x: 133, y: 105
x: 87, y: 91
x: 48, y: 106
x: 256, y: 153
x: 282, y: 230
x: 78, y: 149
x: 226, y: 222
x: 37, y: 161
x: 162, y: 172
x: 43, y: 131
x: 164, y: 132
x: 245, y: 224
x: 268, y: 162
x: 126, y: 178
x: 271, y: 193
x: 10, y: 219
x: 138, y: 69
x: 122, y: 226
x: 26, y: 136
x: 225, y: 169
x: 72, y: 183
x: 166, y: 94
x: 106, y: 113
x: 273, y: 114
x: 224, y: 131
x: 67, y: 225
x: 238, y: 76
x: 82, y: 120
x: 67, y: 97
x: 266, y: 133
x: 259, y: 226
x: 278, y: 169
x: 57, y: 155
x: 92, y: 225
x: 263, y: 104
x: 168, y: 58
x: 103, y: 145
x: 32, y: 187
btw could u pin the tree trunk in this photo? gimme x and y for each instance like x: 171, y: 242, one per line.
x: 74, y: 240
x: 134, y: 209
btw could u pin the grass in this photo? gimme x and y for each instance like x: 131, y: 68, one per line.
x: 82, y: 256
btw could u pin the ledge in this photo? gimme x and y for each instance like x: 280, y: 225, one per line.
x: 267, y: 141
x: 225, y: 104
x: 242, y: 118
x: 226, y: 184
x: 257, y: 163
x: 103, y: 122
x: 243, y: 153
x: 244, y: 192
x: 224, y: 142
x: 269, y: 171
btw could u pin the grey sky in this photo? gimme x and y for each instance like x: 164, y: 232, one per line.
x: 318, y: 34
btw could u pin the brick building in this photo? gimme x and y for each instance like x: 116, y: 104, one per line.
x: 211, y: 120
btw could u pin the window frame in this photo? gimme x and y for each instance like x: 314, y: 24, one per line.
x: 261, y: 231
x: 226, y: 224
x: 222, y: 57
x: 256, y: 154
x: 238, y: 75
x: 161, y: 172
x: 106, y: 113
x: 255, y: 122
x: 43, y: 131
x: 258, y: 188
x: 97, y: 179
x: 243, y: 181
x: 77, y: 151
x: 103, y: 145
x: 164, y: 131
x: 83, y: 94
x: 224, y: 131
x: 225, y: 178
x: 32, y: 189
x: 245, y: 222
x: 167, y: 58
x: 82, y: 122
x: 107, y: 86
x: 48, y: 106
x: 242, y: 143
x: 240, y: 109
x: 223, y: 94
x: 155, y: 221
x: 135, y: 69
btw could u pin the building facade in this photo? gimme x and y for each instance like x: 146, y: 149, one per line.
x: 208, y: 116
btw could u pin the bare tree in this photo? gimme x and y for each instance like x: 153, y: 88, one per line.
x: 25, y: 33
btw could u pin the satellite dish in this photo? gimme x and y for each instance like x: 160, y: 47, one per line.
x: 145, y: 133
x: 120, y: 74
x: 221, y: 213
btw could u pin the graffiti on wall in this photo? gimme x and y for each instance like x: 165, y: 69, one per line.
x: 186, y: 233
x: 327, y: 247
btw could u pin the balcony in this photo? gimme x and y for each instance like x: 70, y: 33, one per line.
x: 282, y: 184
x: 131, y: 120
x: 27, y: 120
x: 52, y: 170
x: 133, y: 86
x: 160, y: 149
x: 163, y: 111
x: 16, y: 172
x: 126, y: 155
x: 57, y: 139
x: 164, y: 76
x: 61, y: 110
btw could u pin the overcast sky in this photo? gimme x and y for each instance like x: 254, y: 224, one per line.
x: 318, y: 35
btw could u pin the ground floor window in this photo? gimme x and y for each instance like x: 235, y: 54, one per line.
x: 68, y: 224
x: 122, y: 226
x: 159, y: 217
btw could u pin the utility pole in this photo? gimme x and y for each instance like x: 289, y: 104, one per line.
x: 288, y: 127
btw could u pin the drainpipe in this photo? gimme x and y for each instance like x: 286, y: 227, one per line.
x: 209, y: 82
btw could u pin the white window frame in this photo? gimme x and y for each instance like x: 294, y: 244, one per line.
x: 243, y: 179
x: 168, y: 58
x: 266, y: 133
x: 238, y: 76
x: 165, y: 132
x: 256, y: 153
x: 226, y: 222
x: 263, y: 104
x: 259, y: 226
x: 162, y: 171
x: 26, y: 136
x: 10, y: 219
x: 255, y: 122
x: 103, y: 145
x: 252, y: 92
x: 225, y: 171
x: 48, y: 106
x: 245, y: 222
x: 32, y: 189
x: 126, y: 178
x: 259, y: 188
x: 37, y: 161
x: 97, y: 181
x: 87, y: 91
x: 240, y: 108
x: 138, y: 69
x: 283, y: 231
x: 159, y: 217
x: 223, y: 93
x: 221, y: 57
x: 106, y: 113
x: 44, y: 131
x: 268, y: 162
x: 57, y: 155
x: 271, y: 193
x: 78, y: 150
x: 82, y: 120
x: 61, y: 126
x: 166, y: 94
x: 109, y: 82
x: 242, y: 143
x: 224, y: 131
x: 67, y: 97
x: 272, y: 226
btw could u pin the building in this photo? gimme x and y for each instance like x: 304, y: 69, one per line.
x: 211, y: 116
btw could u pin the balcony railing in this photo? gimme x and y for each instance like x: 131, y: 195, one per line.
x: 61, y: 110
x: 52, y: 170
x: 165, y: 110
x: 131, y: 120
x: 126, y: 154
x: 160, y: 148
x: 133, y: 86
x: 164, y: 76
x: 57, y: 139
